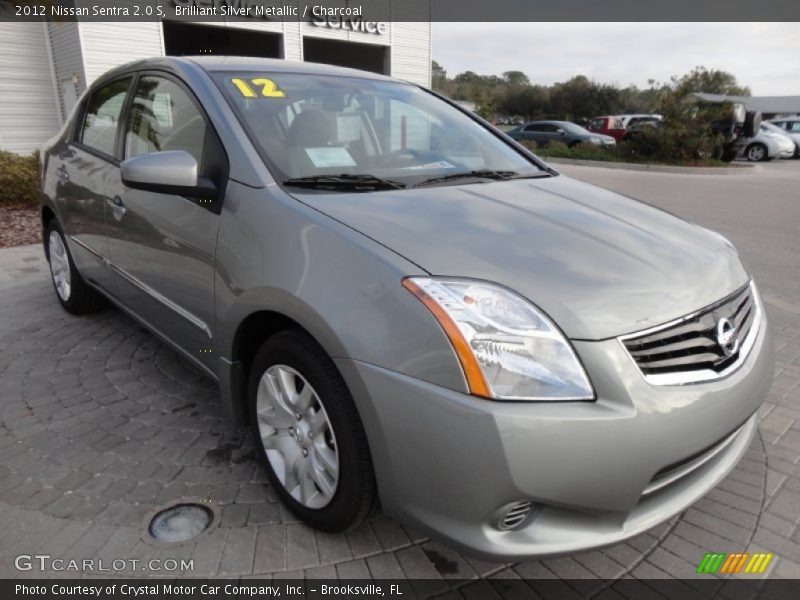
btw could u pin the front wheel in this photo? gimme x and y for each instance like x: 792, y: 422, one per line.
x: 309, y: 433
x: 756, y: 152
x: 74, y: 294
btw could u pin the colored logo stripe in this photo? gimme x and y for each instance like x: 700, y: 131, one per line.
x: 720, y: 562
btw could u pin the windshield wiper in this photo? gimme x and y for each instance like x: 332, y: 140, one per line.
x: 345, y: 180
x: 480, y: 174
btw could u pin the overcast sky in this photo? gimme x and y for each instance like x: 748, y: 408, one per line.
x: 764, y: 56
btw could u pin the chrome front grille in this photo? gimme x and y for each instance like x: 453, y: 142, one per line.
x: 702, y: 346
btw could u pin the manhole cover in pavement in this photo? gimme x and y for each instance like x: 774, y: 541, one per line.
x: 180, y: 523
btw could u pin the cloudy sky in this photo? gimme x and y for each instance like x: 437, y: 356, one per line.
x: 763, y: 56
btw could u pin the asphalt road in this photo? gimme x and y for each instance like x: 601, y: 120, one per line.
x: 759, y: 213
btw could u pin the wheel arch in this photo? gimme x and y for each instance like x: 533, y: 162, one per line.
x: 250, y: 334
x: 47, y: 216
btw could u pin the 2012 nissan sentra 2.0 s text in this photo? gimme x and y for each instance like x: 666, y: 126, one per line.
x: 410, y: 309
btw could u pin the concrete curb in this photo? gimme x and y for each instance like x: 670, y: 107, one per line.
x: 733, y: 169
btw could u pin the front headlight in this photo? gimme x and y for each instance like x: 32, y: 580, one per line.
x: 508, y: 349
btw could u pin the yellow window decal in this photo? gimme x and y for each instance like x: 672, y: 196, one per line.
x: 267, y: 87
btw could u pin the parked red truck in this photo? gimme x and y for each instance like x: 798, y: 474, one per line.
x: 608, y: 125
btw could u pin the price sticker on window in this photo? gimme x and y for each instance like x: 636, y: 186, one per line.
x: 260, y: 87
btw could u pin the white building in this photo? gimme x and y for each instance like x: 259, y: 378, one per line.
x: 45, y: 67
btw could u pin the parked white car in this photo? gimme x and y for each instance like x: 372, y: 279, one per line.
x: 770, y: 142
x: 791, y: 127
x: 637, y: 119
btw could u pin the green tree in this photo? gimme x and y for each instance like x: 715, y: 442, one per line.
x: 710, y: 81
x: 438, y: 76
x: 687, y: 133
x: 516, y: 78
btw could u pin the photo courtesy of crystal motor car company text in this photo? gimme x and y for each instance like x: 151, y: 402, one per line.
x: 312, y: 284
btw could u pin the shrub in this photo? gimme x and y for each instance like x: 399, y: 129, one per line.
x: 579, y: 151
x: 646, y: 148
x: 19, y: 179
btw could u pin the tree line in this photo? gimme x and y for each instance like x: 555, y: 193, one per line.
x: 512, y: 94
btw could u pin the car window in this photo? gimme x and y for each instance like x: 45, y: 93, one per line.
x: 534, y: 128
x: 308, y: 125
x: 575, y: 129
x: 793, y: 126
x: 597, y: 123
x: 163, y: 117
x: 103, y: 111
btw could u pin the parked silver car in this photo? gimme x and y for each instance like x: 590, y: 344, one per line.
x: 770, y: 142
x: 791, y: 127
x: 408, y: 306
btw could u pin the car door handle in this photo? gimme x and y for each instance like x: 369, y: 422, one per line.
x: 117, y: 207
x: 62, y: 173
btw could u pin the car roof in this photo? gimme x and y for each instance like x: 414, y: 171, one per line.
x: 212, y: 64
x: 277, y: 65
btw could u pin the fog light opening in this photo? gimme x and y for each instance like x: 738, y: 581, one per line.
x: 513, y: 516
x: 180, y: 522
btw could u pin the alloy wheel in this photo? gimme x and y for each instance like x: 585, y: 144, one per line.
x: 59, y: 266
x: 756, y: 153
x: 298, y: 437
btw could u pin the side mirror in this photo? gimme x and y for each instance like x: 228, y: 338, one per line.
x: 559, y: 132
x: 168, y: 172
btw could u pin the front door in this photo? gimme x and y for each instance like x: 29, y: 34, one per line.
x: 162, y: 245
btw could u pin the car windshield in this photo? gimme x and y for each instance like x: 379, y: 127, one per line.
x: 771, y: 127
x: 333, y: 132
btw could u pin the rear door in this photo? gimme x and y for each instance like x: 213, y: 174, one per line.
x: 163, y: 246
x: 533, y: 132
x: 87, y: 172
x: 550, y: 132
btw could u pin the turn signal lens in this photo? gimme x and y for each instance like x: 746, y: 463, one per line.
x: 472, y: 370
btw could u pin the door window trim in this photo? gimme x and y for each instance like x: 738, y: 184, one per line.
x: 212, y: 135
x: 77, y: 134
x: 128, y: 106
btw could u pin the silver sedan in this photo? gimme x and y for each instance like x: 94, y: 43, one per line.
x: 408, y: 308
x: 770, y: 142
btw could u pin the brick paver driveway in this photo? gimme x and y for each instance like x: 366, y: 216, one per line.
x: 101, y: 424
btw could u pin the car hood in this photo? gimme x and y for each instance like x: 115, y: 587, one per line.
x: 598, y: 263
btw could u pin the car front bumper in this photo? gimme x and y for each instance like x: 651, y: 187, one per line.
x: 446, y: 461
x: 781, y: 148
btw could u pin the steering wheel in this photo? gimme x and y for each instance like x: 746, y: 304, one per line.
x: 402, y: 155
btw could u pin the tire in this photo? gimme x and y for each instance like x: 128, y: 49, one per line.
x: 74, y: 294
x: 574, y: 144
x: 296, y: 447
x: 756, y: 152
